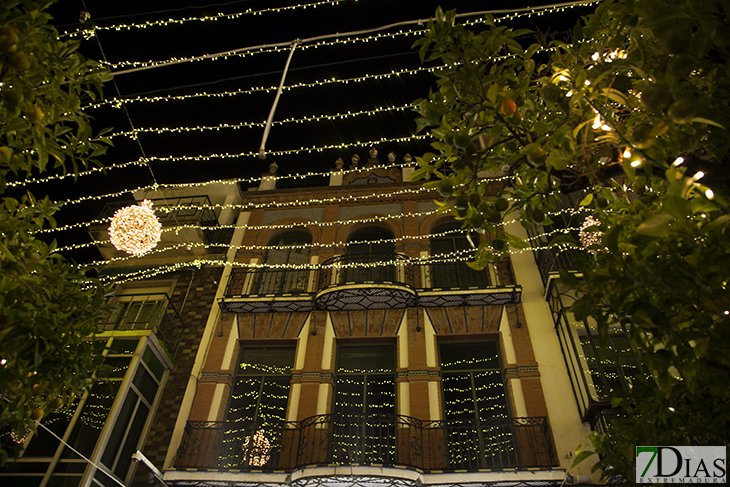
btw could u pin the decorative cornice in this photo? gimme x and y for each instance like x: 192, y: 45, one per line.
x: 216, y: 377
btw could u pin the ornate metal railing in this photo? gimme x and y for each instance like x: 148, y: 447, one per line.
x: 384, y: 439
x: 360, y: 268
x: 146, y: 312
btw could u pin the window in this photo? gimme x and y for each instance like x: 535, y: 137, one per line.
x: 371, y: 248
x: 364, y: 410
x: 106, y: 425
x: 454, y: 244
x: 270, y: 281
x: 476, y: 415
x: 257, y: 410
x: 611, y: 368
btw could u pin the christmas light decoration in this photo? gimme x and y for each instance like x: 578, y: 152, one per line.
x: 311, y: 118
x: 590, y: 237
x: 319, y: 41
x: 144, y: 161
x: 20, y: 439
x: 208, y: 18
x: 256, y: 449
x: 135, y: 229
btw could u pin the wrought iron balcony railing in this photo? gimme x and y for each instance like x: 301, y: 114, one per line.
x: 368, y: 268
x: 146, y: 312
x: 385, y: 440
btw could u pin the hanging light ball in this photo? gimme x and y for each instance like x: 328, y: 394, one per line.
x: 590, y: 237
x: 135, y: 229
x: 256, y: 449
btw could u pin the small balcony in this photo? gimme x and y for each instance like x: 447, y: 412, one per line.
x: 369, y: 281
x: 382, y: 440
x: 137, y: 313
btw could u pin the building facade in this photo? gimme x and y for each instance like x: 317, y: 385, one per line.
x: 344, y: 342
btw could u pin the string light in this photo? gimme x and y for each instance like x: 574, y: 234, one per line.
x: 135, y: 229
x: 207, y: 18
x: 256, y: 449
x: 118, y: 102
x: 311, y: 118
x: 143, y: 161
x: 197, y: 263
x: 316, y: 42
x: 20, y: 439
x: 590, y: 237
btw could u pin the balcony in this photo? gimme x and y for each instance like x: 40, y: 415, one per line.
x: 369, y: 281
x: 382, y: 440
x: 146, y: 312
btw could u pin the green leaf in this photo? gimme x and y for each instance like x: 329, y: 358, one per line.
x: 677, y: 207
x: 587, y: 200
x: 582, y: 456
x: 420, y: 173
x: 656, y: 226
x: 707, y: 121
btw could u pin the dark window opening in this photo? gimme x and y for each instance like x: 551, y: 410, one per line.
x: 366, y: 246
x: 476, y: 416
x: 364, y: 419
x: 257, y: 410
x: 449, y: 250
x: 291, y: 248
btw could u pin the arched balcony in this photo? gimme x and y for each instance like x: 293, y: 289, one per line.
x: 366, y: 281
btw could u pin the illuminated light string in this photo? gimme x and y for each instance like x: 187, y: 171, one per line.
x: 223, y: 126
x: 334, y: 245
x: 340, y: 38
x: 117, y: 102
x: 319, y: 246
x: 234, y: 181
x: 208, y: 18
x: 279, y: 204
x: 177, y: 228
x: 436, y: 258
x: 198, y: 263
x: 271, y: 204
x: 144, y: 161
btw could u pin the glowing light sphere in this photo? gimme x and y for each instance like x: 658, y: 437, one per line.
x: 592, y: 237
x: 256, y: 449
x: 135, y: 229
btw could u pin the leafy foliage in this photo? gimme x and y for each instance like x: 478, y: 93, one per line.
x: 610, y: 117
x: 46, y: 313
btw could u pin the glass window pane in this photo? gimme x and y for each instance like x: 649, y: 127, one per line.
x: 267, y: 360
x: 123, y: 346
x: 118, y: 366
x: 93, y: 415
x: 371, y: 359
x: 145, y: 384
x: 120, y: 427
x: 153, y: 363
x: 469, y: 355
x: 43, y: 444
x: 130, y: 443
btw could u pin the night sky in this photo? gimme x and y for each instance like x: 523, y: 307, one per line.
x: 220, y: 77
